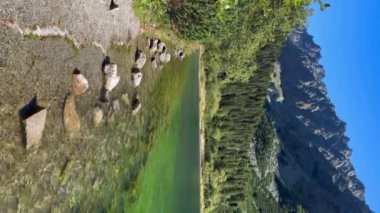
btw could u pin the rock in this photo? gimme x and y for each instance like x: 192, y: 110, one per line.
x: 153, y: 49
x: 156, y: 41
x: 140, y: 59
x: 178, y: 53
x: 136, y: 106
x: 79, y: 83
x: 149, y: 43
x: 306, y: 118
x: 104, y: 95
x: 97, y: 116
x: 111, y: 82
x: 113, y: 109
x: 165, y: 57
x: 70, y: 117
x: 110, y: 77
x: 114, y: 4
x: 154, y: 62
x: 110, y: 69
x: 115, y: 106
x: 125, y: 98
x: 136, y: 77
x: 161, y: 47
x: 34, y: 126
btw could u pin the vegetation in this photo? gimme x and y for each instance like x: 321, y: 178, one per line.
x: 242, y: 40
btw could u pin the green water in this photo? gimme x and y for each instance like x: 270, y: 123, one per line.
x: 169, y: 181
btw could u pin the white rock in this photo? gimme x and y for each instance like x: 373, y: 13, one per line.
x: 140, y: 59
x: 154, y: 62
x: 136, y: 78
x: 110, y: 70
x: 165, y: 57
x: 111, y: 79
x: 111, y: 82
x: 153, y: 49
x: 160, y: 47
x: 34, y: 126
x: 149, y: 42
x: 140, y: 62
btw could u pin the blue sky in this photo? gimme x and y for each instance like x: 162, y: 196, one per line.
x: 349, y: 34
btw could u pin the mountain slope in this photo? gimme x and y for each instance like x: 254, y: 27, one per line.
x: 314, y: 161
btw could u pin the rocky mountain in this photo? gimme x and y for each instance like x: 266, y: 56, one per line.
x: 314, y: 159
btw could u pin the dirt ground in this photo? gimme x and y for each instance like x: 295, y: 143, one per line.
x: 86, y: 20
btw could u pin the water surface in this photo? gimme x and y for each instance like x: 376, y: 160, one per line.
x: 170, y: 180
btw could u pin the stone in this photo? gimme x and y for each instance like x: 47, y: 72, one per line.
x: 115, y: 106
x: 153, y: 61
x: 160, y: 47
x: 111, y: 82
x: 136, y: 77
x: 165, y: 57
x: 140, y: 59
x: 136, y: 106
x: 110, y: 77
x: 114, y: 4
x: 178, y: 53
x: 110, y: 69
x: 104, y: 95
x: 149, y: 43
x: 34, y: 127
x: 97, y: 116
x: 71, y: 119
x: 79, y: 83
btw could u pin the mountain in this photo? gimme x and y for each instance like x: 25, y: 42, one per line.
x: 314, y: 168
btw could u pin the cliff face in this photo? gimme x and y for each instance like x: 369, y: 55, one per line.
x: 314, y: 161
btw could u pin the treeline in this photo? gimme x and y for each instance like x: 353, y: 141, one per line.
x: 242, y: 42
x: 228, y: 173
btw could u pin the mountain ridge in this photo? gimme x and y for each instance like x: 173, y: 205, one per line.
x: 314, y: 161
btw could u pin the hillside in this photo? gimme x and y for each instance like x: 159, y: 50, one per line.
x: 314, y: 161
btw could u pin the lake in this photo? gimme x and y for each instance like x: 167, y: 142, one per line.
x: 169, y: 181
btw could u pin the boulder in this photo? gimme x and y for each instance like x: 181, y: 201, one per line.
x: 104, y: 95
x: 178, y: 53
x: 161, y: 47
x: 154, y: 62
x: 111, y: 82
x: 149, y: 43
x: 165, y: 57
x: 71, y: 119
x: 136, y: 77
x: 113, y: 109
x: 110, y: 69
x: 140, y: 59
x: 136, y: 106
x: 110, y: 77
x: 115, y: 106
x: 34, y: 127
x: 97, y: 116
x: 153, y: 49
x: 78, y: 82
x: 114, y: 4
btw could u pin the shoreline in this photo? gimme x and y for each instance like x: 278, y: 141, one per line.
x: 202, y: 108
